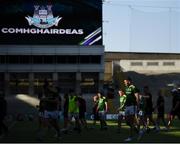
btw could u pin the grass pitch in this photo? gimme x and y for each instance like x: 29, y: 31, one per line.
x: 26, y: 131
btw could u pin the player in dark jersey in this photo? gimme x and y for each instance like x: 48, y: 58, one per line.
x: 45, y: 87
x: 58, y: 90
x: 141, y: 116
x: 51, y: 112
x: 41, y: 120
x: 65, y: 112
x: 82, y: 110
x: 41, y: 108
x: 175, y: 111
x: 3, y: 112
x: 148, y: 108
x: 94, y: 110
x: 160, y: 111
x: 131, y: 107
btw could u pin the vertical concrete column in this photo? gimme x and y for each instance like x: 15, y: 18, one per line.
x: 7, y: 81
x: 101, y: 74
x: 101, y: 81
x: 55, y: 78
x: 78, y: 82
x: 31, y: 83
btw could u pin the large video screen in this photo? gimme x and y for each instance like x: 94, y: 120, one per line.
x: 51, y: 22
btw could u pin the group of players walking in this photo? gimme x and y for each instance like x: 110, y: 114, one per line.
x: 50, y: 111
x: 135, y: 108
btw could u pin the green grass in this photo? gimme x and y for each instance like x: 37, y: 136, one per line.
x: 26, y: 131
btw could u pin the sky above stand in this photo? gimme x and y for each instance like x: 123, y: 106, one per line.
x: 141, y: 26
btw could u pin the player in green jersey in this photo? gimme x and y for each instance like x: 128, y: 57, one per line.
x: 121, y: 109
x: 132, y: 100
x: 102, y: 110
x: 73, y: 110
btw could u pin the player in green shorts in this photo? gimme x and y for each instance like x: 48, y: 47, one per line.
x: 121, y: 109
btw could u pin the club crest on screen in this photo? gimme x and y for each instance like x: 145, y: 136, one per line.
x: 43, y: 17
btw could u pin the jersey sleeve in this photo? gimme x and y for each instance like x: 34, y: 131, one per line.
x: 134, y: 89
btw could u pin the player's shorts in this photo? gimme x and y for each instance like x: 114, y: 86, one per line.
x: 121, y: 114
x: 102, y: 115
x: 73, y: 114
x: 51, y: 114
x: 140, y: 113
x: 59, y: 114
x: 130, y: 110
x: 41, y: 114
